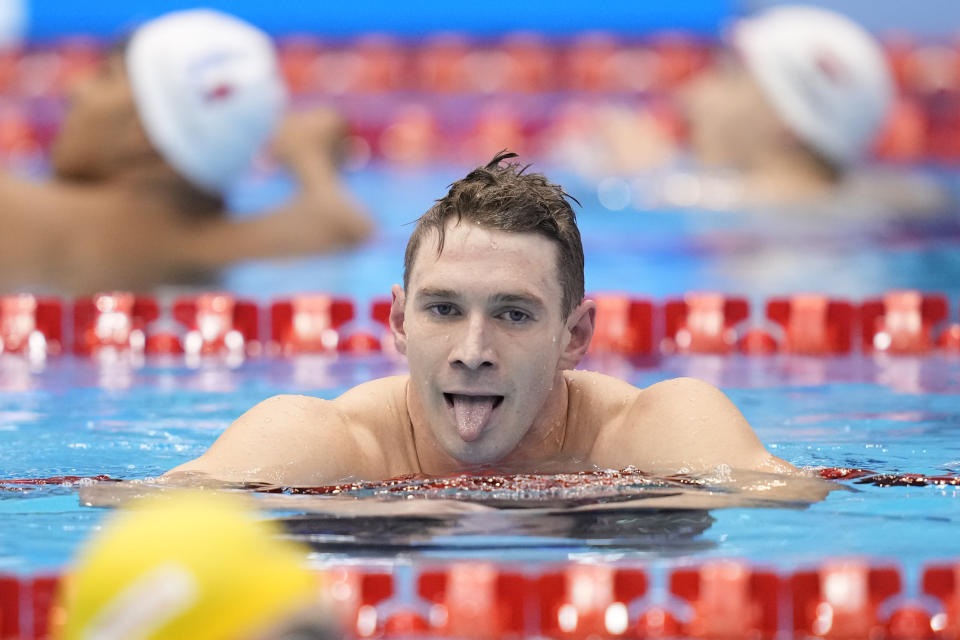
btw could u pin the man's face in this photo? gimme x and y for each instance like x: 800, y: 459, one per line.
x: 101, y: 129
x: 484, y: 336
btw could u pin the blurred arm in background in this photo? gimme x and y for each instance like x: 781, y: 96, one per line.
x: 147, y: 149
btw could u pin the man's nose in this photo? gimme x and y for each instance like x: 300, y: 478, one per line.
x: 473, y: 348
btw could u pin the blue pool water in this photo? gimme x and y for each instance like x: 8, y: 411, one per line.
x: 78, y: 417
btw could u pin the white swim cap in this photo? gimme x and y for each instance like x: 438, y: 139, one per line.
x: 208, y: 91
x: 826, y: 77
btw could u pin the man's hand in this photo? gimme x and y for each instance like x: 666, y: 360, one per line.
x: 322, y: 216
x: 305, y: 137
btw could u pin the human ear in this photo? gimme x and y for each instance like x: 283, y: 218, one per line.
x: 580, y: 326
x: 397, y: 315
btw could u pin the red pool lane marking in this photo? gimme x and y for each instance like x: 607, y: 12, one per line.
x: 865, y: 476
x: 489, y: 482
x: 843, y: 473
x: 21, y: 484
x: 910, y: 480
x: 697, y: 322
x: 58, y: 480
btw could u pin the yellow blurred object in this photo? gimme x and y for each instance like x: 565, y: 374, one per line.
x: 185, y: 565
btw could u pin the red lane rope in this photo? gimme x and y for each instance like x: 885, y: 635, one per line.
x: 865, y: 476
x: 627, y: 324
x: 611, y: 481
x: 24, y: 484
x: 581, y: 485
x: 599, y: 482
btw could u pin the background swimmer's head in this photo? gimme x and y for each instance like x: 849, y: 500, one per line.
x: 795, y: 77
x: 505, y: 197
x: 198, y: 89
x: 730, y: 122
x: 101, y: 134
x: 190, y: 565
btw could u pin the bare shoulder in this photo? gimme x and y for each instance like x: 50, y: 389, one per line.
x: 595, y: 402
x: 273, y: 442
x: 591, y: 387
x: 374, y: 398
x: 287, y: 415
x: 296, y: 439
x: 684, y: 424
x: 677, y: 392
x: 380, y: 422
x: 287, y: 410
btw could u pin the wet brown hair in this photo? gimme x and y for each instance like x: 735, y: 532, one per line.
x: 507, y: 198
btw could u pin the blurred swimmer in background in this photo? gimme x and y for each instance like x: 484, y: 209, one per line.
x: 197, y: 565
x: 145, y: 154
x: 783, y: 118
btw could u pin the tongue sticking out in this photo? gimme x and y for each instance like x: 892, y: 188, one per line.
x: 472, y: 414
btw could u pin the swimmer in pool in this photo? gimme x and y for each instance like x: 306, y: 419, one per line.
x: 493, y: 321
x: 145, y: 154
x: 783, y: 120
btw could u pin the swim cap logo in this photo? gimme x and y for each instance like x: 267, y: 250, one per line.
x: 210, y: 75
x: 219, y: 92
x: 831, y: 67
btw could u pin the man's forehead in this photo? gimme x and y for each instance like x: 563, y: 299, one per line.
x: 467, y: 241
x: 475, y: 257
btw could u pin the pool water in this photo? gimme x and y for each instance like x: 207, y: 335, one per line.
x: 88, y: 417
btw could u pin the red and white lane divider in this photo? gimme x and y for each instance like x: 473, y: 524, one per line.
x: 528, y: 483
x: 907, y: 323
x: 585, y: 71
x: 840, y: 598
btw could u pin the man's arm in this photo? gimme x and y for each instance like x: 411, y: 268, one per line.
x: 289, y: 440
x: 322, y: 217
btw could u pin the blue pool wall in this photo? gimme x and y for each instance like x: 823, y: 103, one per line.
x: 51, y: 19
x: 44, y: 20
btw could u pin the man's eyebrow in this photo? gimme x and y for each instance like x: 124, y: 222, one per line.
x: 526, y: 299
x: 430, y: 292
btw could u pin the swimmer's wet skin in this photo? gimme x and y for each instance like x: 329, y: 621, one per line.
x: 492, y: 369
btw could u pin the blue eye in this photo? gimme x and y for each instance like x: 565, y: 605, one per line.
x: 442, y: 309
x: 515, y: 315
